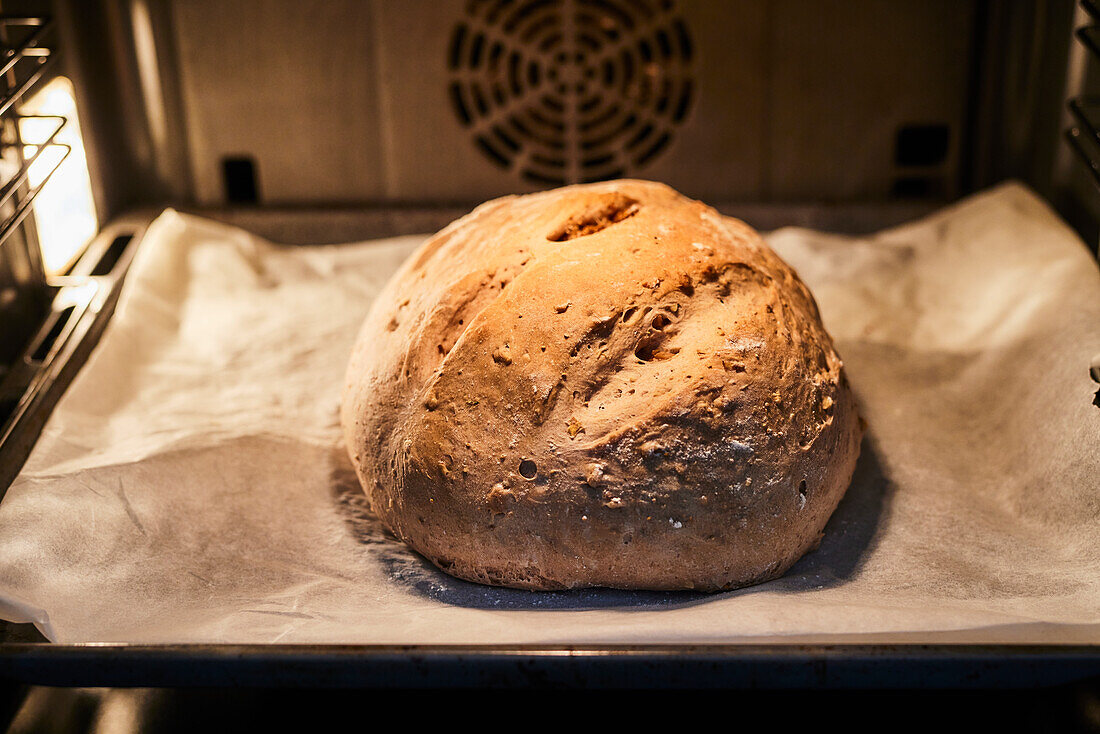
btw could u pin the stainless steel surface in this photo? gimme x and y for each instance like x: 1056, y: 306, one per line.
x: 348, y: 102
x: 351, y: 102
x: 780, y: 104
x: 18, y: 181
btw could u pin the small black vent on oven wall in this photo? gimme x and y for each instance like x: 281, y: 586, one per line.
x: 921, y: 145
x: 240, y: 180
x: 567, y: 91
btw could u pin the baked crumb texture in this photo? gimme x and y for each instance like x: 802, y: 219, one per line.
x: 601, y: 385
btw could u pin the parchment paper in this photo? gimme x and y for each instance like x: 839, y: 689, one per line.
x: 191, y: 485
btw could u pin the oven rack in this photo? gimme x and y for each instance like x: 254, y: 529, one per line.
x: 14, y: 184
x: 72, y: 307
x: 18, y: 80
x: 1084, y: 135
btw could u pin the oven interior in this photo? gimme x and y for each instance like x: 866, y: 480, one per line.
x: 315, y: 122
x: 321, y: 122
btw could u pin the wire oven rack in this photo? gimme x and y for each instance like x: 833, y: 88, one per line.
x: 1084, y: 136
x: 44, y: 320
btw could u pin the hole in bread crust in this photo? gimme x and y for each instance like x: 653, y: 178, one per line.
x: 651, y: 350
x: 528, y: 469
x: 601, y: 213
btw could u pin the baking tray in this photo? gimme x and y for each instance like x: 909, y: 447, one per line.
x: 947, y: 660
x: 770, y: 666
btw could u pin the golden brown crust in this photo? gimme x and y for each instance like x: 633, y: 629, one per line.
x: 600, y: 385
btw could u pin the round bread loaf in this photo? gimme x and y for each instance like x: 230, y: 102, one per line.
x: 601, y: 385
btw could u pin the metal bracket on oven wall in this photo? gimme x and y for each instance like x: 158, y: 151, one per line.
x: 1084, y: 135
x: 82, y: 303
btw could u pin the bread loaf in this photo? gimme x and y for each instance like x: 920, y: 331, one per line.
x: 601, y: 385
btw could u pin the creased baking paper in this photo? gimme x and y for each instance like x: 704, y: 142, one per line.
x: 191, y: 486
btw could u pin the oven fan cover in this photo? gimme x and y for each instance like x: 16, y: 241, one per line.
x: 571, y: 91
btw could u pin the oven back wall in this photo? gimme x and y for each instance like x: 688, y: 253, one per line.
x: 343, y: 101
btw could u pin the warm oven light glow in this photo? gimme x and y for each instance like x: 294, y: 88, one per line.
x: 64, y: 210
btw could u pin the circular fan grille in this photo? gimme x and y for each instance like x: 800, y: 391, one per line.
x: 566, y: 91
